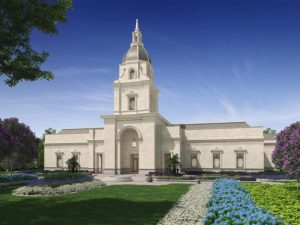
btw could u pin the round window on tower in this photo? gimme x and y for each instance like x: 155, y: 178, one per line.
x: 132, y: 74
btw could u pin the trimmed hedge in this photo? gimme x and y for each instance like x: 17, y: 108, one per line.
x: 230, y: 203
x: 63, y: 175
x: 184, y: 177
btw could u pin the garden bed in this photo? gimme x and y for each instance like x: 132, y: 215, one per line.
x: 230, y: 203
x: 17, y: 177
x: 61, y: 178
x: 284, y: 199
x: 183, y: 178
x: 60, y: 190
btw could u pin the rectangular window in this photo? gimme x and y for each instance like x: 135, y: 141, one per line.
x: 131, y: 103
x: 240, y: 160
x: 59, y: 161
x: 216, y: 161
x: 76, y: 157
x: 194, y: 159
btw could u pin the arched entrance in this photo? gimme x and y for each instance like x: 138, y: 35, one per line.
x: 129, y: 151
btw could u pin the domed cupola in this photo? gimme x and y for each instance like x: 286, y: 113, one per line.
x: 136, y: 51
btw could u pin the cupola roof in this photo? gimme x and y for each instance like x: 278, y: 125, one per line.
x: 136, y: 51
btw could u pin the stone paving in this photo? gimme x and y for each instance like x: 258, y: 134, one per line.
x: 191, y: 208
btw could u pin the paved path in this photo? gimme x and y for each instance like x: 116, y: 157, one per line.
x: 191, y: 208
x: 133, y: 180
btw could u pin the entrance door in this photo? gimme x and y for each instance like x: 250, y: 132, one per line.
x: 134, y: 163
x: 99, y: 163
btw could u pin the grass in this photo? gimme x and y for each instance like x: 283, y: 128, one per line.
x: 282, y: 200
x: 111, y: 205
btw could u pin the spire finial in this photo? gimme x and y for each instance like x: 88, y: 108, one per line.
x: 136, y: 24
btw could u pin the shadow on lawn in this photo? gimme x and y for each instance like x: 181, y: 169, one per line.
x: 108, y: 211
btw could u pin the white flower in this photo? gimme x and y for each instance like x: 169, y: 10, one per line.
x: 64, y: 189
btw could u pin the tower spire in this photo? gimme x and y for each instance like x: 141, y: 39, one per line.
x: 137, y: 24
x: 137, y: 35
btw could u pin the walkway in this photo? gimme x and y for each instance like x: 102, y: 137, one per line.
x: 191, y: 208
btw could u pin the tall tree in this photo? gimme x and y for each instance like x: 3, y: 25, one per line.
x: 286, y: 155
x: 18, y: 18
x: 40, y: 161
x: 18, y: 145
x: 270, y: 131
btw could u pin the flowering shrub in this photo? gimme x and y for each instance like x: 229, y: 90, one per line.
x: 286, y: 155
x: 18, y: 145
x: 64, y: 189
x: 230, y: 203
x: 17, y: 178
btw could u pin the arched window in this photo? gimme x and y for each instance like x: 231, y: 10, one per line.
x: 132, y: 74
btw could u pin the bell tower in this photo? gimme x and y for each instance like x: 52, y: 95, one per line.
x: 134, y: 91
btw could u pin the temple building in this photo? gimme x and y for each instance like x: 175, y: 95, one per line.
x: 137, y: 139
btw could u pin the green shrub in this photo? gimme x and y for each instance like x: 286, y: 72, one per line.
x: 73, y: 164
x: 64, y: 175
x: 184, y: 177
x: 282, y: 200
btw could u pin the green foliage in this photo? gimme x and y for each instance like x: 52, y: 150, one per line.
x: 18, y: 146
x: 113, y: 205
x: 18, y: 18
x: 174, y: 162
x: 73, y: 164
x: 270, y: 131
x: 286, y: 154
x: 63, y: 175
x: 282, y: 200
x: 184, y: 177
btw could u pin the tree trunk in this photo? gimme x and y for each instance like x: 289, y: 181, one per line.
x: 11, y: 169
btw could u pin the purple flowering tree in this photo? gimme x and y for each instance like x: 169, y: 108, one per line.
x: 18, y: 145
x: 286, y: 155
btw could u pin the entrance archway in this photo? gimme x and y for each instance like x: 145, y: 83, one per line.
x: 129, y: 151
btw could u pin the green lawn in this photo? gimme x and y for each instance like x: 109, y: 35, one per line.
x: 111, y: 205
x: 282, y: 200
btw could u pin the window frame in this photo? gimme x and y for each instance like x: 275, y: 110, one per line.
x: 130, y: 100
x: 194, y: 156
x: 57, y: 160
x: 76, y: 154
x: 219, y: 157
x: 238, y: 154
x: 240, y: 150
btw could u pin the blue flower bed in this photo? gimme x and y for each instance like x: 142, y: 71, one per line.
x: 17, y: 178
x: 58, y: 181
x: 269, y: 176
x: 230, y: 204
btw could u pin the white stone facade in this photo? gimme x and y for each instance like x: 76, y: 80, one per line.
x: 137, y: 139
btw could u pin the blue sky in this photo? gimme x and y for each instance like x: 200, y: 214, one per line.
x: 214, y: 61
